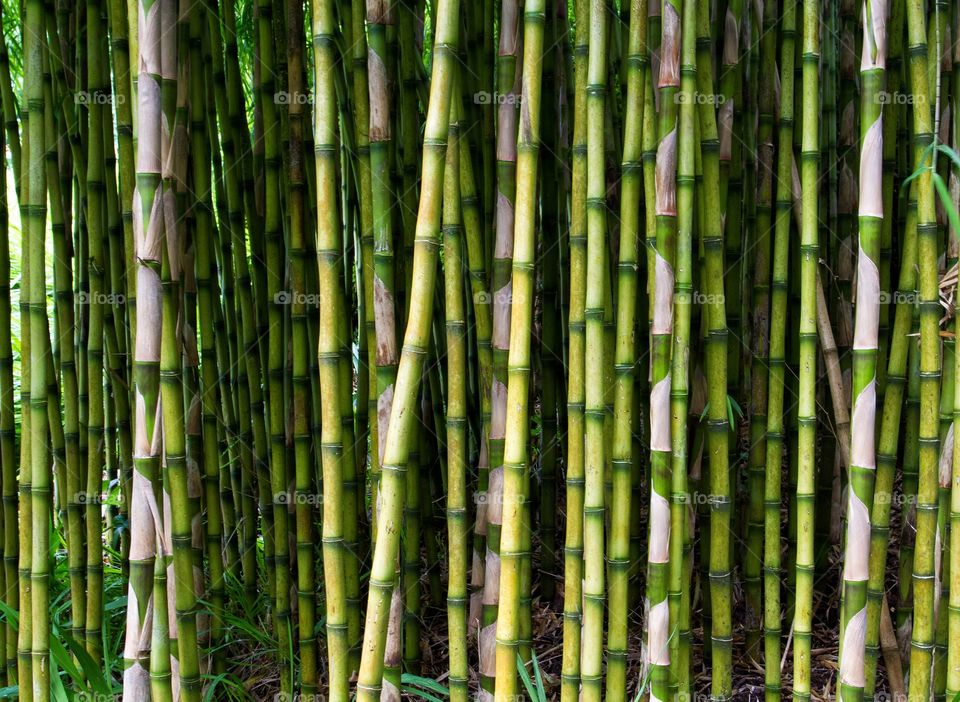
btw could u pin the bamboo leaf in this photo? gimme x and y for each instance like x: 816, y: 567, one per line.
x: 944, y: 194
x: 525, y: 677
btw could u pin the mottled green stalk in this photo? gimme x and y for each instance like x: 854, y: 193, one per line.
x: 922, y: 638
x: 809, y: 252
x: 865, y: 344
x: 416, y: 341
x: 97, y: 83
x: 507, y: 92
x: 515, y: 536
x: 718, y: 428
x: 759, y: 330
x: 661, y: 331
x: 776, y: 387
x: 34, y: 293
x: 206, y: 290
x: 456, y: 424
x: 594, y: 376
x: 891, y: 371
x: 678, y: 589
x: 573, y: 567
x: 148, y: 224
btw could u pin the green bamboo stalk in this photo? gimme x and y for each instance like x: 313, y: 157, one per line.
x: 892, y: 360
x: 276, y: 344
x: 356, y: 427
x: 382, y: 578
x: 8, y: 580
x: 480, y: 290
x: 250, y: 434
x: 573, y: 567
x: 303, y: 474
x: 34, y: 290
x: 661, y: 331
x: 865, y: 343
x: 953, y: 615
x: 922, y: 638
x: 122, y: 74
x: 718, y: 427
x: 203, y: 208
x: 678, y: 591
x: 760, y: 336
x: 8, y: 461
x: 25, y: 533
x: 514, y: 545
x: 507, y: 92
x: 379, y: 17
x: 96, y: 298
x: 618, y: 555
x: 148, y: 226
x: 456, y: 423
x: 772, y: 614
x: 329, y: 249
x: 809, y: 247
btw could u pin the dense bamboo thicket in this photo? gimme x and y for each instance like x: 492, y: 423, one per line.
x: 568, y: 350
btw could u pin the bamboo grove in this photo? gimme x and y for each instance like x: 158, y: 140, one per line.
x: 576, y: 350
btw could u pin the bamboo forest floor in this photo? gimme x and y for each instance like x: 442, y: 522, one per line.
x: 255, y: 663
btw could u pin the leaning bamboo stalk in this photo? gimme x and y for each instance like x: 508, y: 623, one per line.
x: 420, y: 307
x: 8, y: 478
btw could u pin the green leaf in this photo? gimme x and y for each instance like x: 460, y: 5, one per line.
x: 525, y: 677
x: 541, y: 691
x: 423, y: 687
x: 944, y: 194
x: 920, y: 169
x: 949, y: 153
